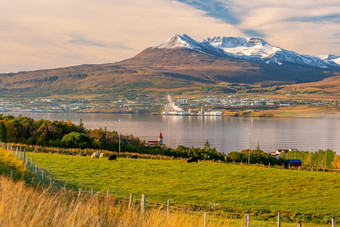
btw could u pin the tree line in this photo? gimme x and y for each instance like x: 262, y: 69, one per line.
x: 64, y: 134
x: 322, y: 158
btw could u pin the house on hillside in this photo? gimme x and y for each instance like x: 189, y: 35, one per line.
x: 278, y: 152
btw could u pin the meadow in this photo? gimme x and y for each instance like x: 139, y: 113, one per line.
x: 25, y: 204
x: 205, y: 186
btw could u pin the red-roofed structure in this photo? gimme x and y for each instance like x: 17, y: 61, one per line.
x: 159, y: 142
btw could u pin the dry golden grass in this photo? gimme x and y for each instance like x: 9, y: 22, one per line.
x: 21, y: 205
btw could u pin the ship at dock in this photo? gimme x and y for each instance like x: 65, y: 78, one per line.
x: 209, y: 113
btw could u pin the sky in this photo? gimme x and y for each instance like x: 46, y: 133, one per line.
x: 40, y: 34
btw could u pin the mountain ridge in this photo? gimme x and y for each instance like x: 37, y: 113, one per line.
x: 180, y: 63
x: 252, y: 49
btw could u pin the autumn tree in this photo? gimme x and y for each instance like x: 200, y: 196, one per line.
x: 336, y: 162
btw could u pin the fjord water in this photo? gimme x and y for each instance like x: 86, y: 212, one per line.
x: 226, y: 134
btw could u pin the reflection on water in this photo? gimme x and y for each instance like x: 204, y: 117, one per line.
x: 225, y: 133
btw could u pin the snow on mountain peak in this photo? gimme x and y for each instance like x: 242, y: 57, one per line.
x: 331, y: 59
x: 179, y: 41
x: 252, y: 49
x: 185, y: 41
x: 232, y: 42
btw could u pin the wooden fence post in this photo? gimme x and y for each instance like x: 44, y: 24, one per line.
x: 269, y: 165
x: 299, y: 224
x: 333, y: 222
x: 205, y: 220
x: 50, y: 181
x: 142, y: 204
x: 79, y: 192
x: 92, y: 193
x: 42, y: 174
x: 130, y: 201
x: 107, y: 193
x: 168, y: 208
x: 24, y: 156
x: 11, y: 173
x: 279, y: 219
x: 246, y: 220
x: 36, y: 168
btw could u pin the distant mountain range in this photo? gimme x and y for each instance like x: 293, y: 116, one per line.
x: 180, y: 64
x: 252, y: 49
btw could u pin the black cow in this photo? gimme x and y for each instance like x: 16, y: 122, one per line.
x: 113, y: 157
x: 192, y: 159
x: 134, y: 156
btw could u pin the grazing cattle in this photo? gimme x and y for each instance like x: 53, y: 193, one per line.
x: 113, y: 157
x: 102, y: 155
x: 192, y: 159
x: 134, y: 156
x: 95, y: 155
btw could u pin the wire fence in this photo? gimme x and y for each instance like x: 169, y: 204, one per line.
x: 48, y: 179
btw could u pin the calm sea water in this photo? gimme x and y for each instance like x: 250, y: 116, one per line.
x: 226, y: 134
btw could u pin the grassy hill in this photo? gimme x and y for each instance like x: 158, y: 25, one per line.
x: 214, y: 187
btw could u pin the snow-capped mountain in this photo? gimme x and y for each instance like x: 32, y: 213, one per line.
x: 252, y: 49
x: 184, y: 41
x: 331, y: 59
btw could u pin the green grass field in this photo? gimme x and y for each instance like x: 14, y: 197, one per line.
x: 299, y: 195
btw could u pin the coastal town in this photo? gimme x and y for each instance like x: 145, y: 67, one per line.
x: 151, y: 105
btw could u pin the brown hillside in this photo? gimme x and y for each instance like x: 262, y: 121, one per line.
x: 154, y: 71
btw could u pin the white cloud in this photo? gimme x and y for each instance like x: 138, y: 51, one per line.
x: 305, y: 26
x: 39, y: 34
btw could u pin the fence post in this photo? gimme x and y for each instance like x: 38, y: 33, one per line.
x: 42, y: 174
x: 279, y: 219
x: 333, y: 222
x: 36, y: 168
x: 11, y: 173
x: 299, y: 224
x: 50, y: 181
x: 24, y: 156
x: 107, y: 193
x: 130, y: 201
x: 79, y: 192
x: 269, y: 165
x: 246, y: 220
x: 205, y: 220
x: 142, y: 204
x: 91, y: 191
x: 168, y: 208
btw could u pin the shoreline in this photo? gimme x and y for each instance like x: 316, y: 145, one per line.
x: 290, y: 112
